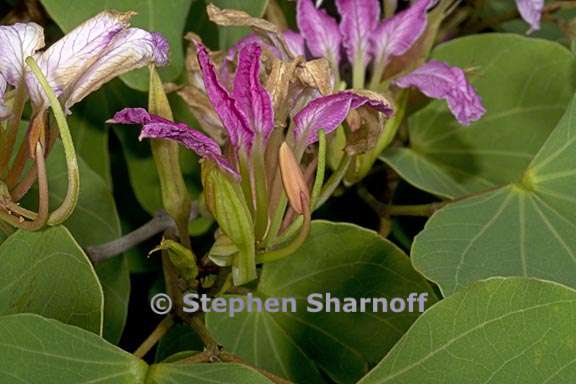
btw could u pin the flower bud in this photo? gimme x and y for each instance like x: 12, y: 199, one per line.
x: 225, y: 200
x: 182, y: 258
x: 293, y: 180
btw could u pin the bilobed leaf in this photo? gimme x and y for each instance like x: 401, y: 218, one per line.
x: 346, y: 261
x: 523, y: 229
x: 502, y: 330
x: 230, y: 35
x: 36, y: 350
x: 523, y: 103
x: 222, y: 373
x: 166, y: 17
x: 48, y: 273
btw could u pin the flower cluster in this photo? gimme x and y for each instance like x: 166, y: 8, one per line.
x: 371, y: 44
x: 258, y: 153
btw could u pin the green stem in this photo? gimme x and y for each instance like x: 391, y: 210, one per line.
x: 261, y: 217
x: 320, y: 168
x: 175, y: 197
x: 334, y: 180
x: 358, y: 72
x: 293, y: 246
x: 413, y: 210
x: 63, y: 212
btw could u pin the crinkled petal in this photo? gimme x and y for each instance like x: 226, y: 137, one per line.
x: 295, y: 43
x: 328, y: 112
x: 396, y: 35
x: 531, y: 12
x: 132, y: 48
x: 359, y: 19
x: 319, y: 30
x: 233, y: 119
x: 247, y: 40
x: 17, y: 42
x: 251, y: 97
x: 440, y: 81
x: 156, y: 127
x: 98, y: 50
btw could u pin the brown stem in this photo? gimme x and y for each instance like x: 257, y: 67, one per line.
x: 12, y: 129
x: 161, y: 329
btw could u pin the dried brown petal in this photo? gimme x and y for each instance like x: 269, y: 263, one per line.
x: 317, y: 74
x: 269, y: 32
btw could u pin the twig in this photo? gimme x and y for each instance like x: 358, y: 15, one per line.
x: 159, y: 223
x: 160, y: 330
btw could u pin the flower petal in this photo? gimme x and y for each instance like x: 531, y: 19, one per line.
x: 440, y: 81
x: 295, y: 43
x: 359, y: 19
x: 17, y: 42
x: 328, y: 112
x: 156, y: 127
x: 249, y: 94
x: 98, y: 50
x: 132, y: 48
x: 396, y: 35
x: 232, y: 118
x: 320, y: 31
x: 531, y: 12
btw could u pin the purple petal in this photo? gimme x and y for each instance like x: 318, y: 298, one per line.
x: 320, y: 31
x: 531, y: 12
x: 440, y: 81
x: 396, y: 35
x: 251, y: 97
x: 295, y: 42
x: 328, y: 112
x: 247, y: 40
x: 17, y: 42
x: 156, y: 127
x: 359, y: 19
x: 232, y: 118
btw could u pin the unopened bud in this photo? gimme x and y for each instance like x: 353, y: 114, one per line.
x: 293, y: 180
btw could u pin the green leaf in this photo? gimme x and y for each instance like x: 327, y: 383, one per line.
x: 114, y: 276
x: 90, y: 133
x: 36, y: 350
x: 502, y: 330
x: 95, y: 221
x: 523, y: 103
x: 152, y: 16
x: 182, y: 373
x: 346, y: 261
x: 48, y: 273
x: 230, y: 35
x: 523, y: 229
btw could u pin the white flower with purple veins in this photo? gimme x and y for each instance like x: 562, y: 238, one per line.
x: 95, y: 52
x: 368, y: 41
x: 531, y: 12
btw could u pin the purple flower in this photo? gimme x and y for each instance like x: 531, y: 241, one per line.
x: 320, y: 31
x: 359, y: 19
x: 156, y: 127
x: 4, y: 110
x: 396, y: 35
x: 98, y: 50
x: 328, y: 112
x: 440, y: 81
x: 295, y: 43
x: 531, y: 12
x: 248, y: 111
